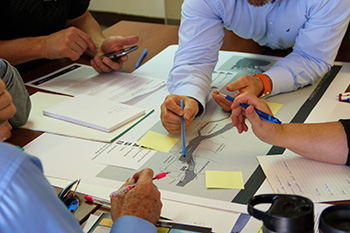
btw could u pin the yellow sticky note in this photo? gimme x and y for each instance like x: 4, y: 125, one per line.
x: 224, y: 180
x: 106, y: 222
x: 157, y: 141
x: 274, y: 107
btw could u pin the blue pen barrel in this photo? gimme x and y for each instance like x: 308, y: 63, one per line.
x: 262, y: 115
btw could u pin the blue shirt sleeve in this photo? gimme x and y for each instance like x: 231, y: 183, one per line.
x: 131, y: 224
x: 314, y: 29
x: 28, y: 202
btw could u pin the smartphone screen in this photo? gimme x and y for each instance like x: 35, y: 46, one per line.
x: 116, y: 54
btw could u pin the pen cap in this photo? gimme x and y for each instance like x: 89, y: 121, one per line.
x: 286, y: 214
x: 335, y: 219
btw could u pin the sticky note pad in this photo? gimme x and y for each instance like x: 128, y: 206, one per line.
x: 106, y: 222
x: 157, y: 141
x: 224, y: 180
x: 274, y: 107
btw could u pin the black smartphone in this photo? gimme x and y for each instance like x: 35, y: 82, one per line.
x: 119, y: 53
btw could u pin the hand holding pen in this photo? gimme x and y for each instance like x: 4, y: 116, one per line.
x: 262, y: 128
x: 144, y: 200
x: 127, y: 188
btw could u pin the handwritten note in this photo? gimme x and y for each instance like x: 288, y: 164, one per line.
x: 224, y: 180
x: 293, y: 174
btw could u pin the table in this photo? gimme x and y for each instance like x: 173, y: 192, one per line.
x: 154, y: 37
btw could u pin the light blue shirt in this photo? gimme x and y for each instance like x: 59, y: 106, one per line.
x: 28, y: 202
x: 313, y: 28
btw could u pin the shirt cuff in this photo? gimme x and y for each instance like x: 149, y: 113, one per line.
x: 132, y: 224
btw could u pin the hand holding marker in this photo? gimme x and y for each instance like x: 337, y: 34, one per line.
x: 126, y: 189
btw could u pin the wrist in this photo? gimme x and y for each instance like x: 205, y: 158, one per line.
x: 267, y: 85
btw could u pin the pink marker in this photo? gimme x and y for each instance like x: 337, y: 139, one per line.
x: 126, y: 189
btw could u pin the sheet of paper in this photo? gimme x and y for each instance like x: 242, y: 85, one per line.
x: 293, y: 174
x: 72, y: 158
x: 224, y: 180
x: 157, y: 141
x: 94, y: 112
x: 134, y: 157
x: 37, y: 121
x: 82, y: 79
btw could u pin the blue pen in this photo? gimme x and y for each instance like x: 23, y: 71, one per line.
x: 182, y: 120
x: 143, y: 55
x: 262, y: 115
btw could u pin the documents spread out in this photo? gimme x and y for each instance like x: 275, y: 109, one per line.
x: 293, y: 174
x: 79, y: 79
x: 94, y: 112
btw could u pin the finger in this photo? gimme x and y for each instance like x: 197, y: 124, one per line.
x: 89, y: 43
x: 172, y: 104
x: 2, y: 87
x: 190, y: 110
x: 130, y: 40
x: 5, y: 131
x: 222, y: 101
x: 93, y: 64
x: 113, y: 65
x: 101, y: 65
x: 236, y: 85
x: 145, y: 175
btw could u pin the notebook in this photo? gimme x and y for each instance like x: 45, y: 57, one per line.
x: 94, y: 112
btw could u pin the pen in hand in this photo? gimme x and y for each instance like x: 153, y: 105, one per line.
x: 262, y: 115
x: 127, y: 188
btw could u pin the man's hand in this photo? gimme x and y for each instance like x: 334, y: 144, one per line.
x: 171, y: 110
x: 7, y: 110
x: 142, y: 201
x: 111, y: 44
x: 264, y: 130
x: 5, y: 131
x: 247, y: 83
x: 68, y: 43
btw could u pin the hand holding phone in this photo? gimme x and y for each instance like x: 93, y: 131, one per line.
x: 114, y: 56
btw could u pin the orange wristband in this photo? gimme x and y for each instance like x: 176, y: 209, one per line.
x: 266, y: 83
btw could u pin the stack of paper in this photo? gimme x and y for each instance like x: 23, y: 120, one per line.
x: 94, y: 112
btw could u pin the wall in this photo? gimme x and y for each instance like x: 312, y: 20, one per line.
x: 145, y: 8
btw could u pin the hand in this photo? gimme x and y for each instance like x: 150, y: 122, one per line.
x: 222, y: 101
x: 67, y: 43
x: 247, y: 83
x: 7, y: 108
x: 171, y: 110
x: 5, y: 131
x: 266, y: 131
x: 142, y: 201
x: 111, y: 44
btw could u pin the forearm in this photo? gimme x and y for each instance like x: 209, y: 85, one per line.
x: 22, y: 50
x: 90, y: 26
x: 325, y: 142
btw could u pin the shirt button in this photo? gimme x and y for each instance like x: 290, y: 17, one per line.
x: 271, y: 35
x: 271, y: 22
x: 273, y: 44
